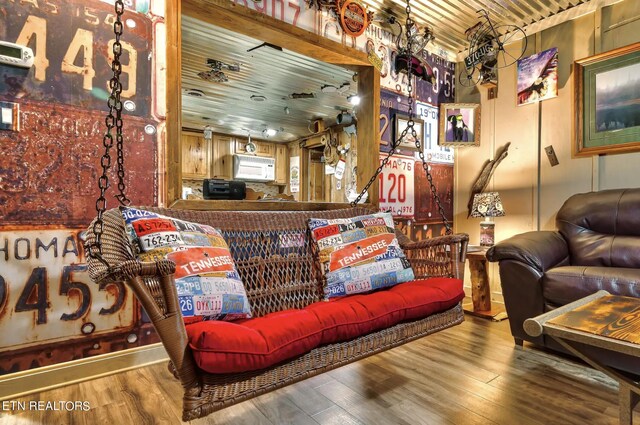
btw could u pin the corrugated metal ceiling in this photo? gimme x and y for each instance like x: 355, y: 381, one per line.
x: 264, y: 72
x: 450, y: 18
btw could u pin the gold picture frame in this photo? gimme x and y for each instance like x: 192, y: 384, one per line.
x: 606, y: 107
x: 459, y: 124
x: 408, y: 142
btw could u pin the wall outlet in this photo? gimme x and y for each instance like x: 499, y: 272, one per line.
x: 551, y: 154
x: 9, y: 116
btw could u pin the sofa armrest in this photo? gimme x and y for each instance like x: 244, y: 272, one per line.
x: 524, y: 259
x: 541, y: 250
x: 438, y: 256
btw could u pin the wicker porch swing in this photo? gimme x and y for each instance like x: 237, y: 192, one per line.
x: 275, y: 278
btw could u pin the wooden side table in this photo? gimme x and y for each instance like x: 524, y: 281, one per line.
x: 609, y: 322
x: 481, y: 287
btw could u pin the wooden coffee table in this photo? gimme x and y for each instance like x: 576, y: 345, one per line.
x: 600, y: 320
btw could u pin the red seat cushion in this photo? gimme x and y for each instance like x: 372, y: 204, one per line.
x: 226, y: 347
x: 427, y: 296
x: 349, y: 317
x: 244, y: 345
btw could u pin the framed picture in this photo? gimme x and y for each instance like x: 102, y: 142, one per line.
x: 408, y: 142
x: 607, y: 102
x: 459, y: 124
x: 538, y: 77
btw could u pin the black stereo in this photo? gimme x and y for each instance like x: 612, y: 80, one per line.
x: 222, y: 189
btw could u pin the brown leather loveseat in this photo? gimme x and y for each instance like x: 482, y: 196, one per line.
x: 597, y: 246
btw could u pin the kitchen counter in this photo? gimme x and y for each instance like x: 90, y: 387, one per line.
x: 270, y: 205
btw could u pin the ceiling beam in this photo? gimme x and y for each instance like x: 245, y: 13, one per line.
x: 243, y: 20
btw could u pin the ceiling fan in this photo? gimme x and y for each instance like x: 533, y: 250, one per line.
x: 216, y: 74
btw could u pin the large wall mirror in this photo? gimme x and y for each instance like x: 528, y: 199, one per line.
x: 257, y: 89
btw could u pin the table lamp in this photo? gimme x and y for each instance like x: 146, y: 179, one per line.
x: 487, y: 205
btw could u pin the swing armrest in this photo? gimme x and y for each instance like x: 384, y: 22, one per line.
x: 154, y: 286
x: 439, y: 256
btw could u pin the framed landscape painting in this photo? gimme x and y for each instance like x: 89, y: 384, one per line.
x: 607, y: 99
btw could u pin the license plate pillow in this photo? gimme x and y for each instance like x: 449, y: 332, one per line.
x: 359, y: 254
x: 206, y: 278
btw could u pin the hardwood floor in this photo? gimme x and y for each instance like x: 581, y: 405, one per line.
x: 468, y: 375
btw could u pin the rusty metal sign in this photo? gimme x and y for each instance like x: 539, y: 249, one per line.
x: 426, y: 208
x: 50, y: 311
x: 44, y: 304
x: 48, y: 171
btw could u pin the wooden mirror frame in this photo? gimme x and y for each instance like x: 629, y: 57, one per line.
x: 228, y: 15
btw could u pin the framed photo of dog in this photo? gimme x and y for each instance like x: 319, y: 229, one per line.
x: 459, y: 124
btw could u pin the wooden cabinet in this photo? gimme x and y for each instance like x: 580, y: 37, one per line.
x: 195, y: 156
x: 222, y: 163
x: 282, y: 163
x: 262, y: 148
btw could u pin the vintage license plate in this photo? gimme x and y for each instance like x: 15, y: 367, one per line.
x: 477, y: 56
x: 46, y: 294
x: 396, y: 187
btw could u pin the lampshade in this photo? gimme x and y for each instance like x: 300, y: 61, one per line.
x: 487, y: 204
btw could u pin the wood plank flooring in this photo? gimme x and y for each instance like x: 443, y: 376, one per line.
x: 467, y: 375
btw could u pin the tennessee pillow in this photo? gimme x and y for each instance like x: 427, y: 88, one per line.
x: 206, y: 278
x: 359, y: 254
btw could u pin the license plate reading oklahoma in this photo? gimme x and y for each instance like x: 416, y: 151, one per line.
x: 46, y: 294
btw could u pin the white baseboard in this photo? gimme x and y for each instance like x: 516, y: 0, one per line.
x: 48, y: 377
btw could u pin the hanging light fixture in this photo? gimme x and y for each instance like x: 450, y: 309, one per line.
x: 208, y: 133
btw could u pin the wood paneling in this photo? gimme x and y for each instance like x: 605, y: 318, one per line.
x: 222, y: 157
x: 467, y: 375
x: 282, y: 164
x: 265, y: 149
x: 196, y: 155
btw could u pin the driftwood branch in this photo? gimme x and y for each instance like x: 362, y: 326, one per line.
x: 485, y: 174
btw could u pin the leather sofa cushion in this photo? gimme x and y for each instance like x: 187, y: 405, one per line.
x: 562, y: 285
x: 602, y: 228
x: 253, y: 344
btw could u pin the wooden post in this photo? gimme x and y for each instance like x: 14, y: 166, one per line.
x: 368, y: 129
x: 627, y: 402
x: 172, y: 173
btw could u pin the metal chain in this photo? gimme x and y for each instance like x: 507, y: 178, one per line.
x: 115, y: 107
x: 116, y: 86
x: 410, y: 123
x: 409, y: 23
